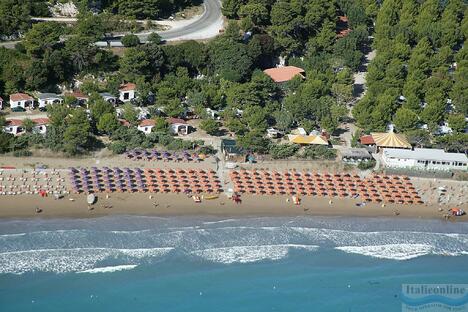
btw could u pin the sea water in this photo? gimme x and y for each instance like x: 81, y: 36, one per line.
x: 130, y: 263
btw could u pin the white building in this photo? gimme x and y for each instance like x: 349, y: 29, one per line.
x: 1, y: 103
x: 45, y: 99
x: 21, y: 100
x: 146, y: 126
x: 41, y: 125
x: 127, y: 92
x: 178, y: 126
x: 14, y: 126
x: 424, y: 159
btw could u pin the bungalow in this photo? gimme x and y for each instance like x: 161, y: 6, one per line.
x: 21, y: 101
x: 41, y: 125
x: 424, y: 159
x: 284, y: 74
x: 109, y: 98
x: 45, y: 99
x: 354, y: 155
x: 14, y: 126
x: 178, y: 126
x: 146, y: 126
x: 127, y: 92
x: 273, y: 133
x: 81, y: 98
x: 1, y: 103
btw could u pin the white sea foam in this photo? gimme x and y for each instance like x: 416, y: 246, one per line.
x: 220, y: 221
x: 391, y: 251
x: 71, y: 260
x: 247, y: 254
x: 110, y: 269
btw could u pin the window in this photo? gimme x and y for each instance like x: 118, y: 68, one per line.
x: 126, y: 96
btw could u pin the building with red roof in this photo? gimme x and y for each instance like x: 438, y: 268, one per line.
x: 127, y: 92
x: 146, y: 125
x: 367, y: 140
x: 22, y: 100
x: 284, y: 74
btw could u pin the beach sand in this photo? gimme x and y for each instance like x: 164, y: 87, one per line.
x: 23, y: 206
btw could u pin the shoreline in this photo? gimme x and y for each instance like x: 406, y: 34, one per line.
x: 172, y: 205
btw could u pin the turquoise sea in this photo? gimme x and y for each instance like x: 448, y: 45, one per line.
x: 131, y: 263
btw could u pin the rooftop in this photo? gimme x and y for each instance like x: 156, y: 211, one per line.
x: 41, y: 121
x: 283, y: 74
x: 147, y: 122
x: 355, y: 153
x: 14, y: 122
x: 367, y: 140
x: 20, y: 97
x: 127, y: 86
x: 176, y: 121
x: 425, y: 154
x: 44, y: 96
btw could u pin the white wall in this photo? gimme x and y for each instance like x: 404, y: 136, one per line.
x: 130, y: 95
x: 145, y: 129
x: 412, y: 163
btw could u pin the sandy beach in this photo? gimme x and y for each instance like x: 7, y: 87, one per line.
x: 23, y: 206
x: 74, y: 205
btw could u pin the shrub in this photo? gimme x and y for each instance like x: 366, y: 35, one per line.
x: 319, y: 152
x: 283, y: 151
x: 365, y: 165
x: 130, y: 40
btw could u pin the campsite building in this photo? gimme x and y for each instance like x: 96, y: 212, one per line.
x: 127, y: 92
x: 21, y: 100
x: 385, y: 140
x: 45, y: 99
x: 424, y: 159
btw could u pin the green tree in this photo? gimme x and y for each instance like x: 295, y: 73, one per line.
x: 134, y: 64
x: 405, y: 119
x: 130, y: 114
x: 108, y: 123
x: 28, y: 124
x: 457, y: 122
x: 173, y: 108
x: 210, y: 126
x: 130, y: 40
x: 155, y: 38
x: 42, y: 36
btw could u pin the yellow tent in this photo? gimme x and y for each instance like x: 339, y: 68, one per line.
x: 307, y: 139
x: 390, y: 139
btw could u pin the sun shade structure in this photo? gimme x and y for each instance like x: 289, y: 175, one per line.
x: 390, y: 139
x: 307, y: 139
x: 283, y: 74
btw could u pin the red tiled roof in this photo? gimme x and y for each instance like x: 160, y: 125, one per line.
x: 79, y: 95
x: 14, y: 122
x: 15, y: 97
x: 176, y: 121
x: 125, y: 123
x: 367, y: 140
x: 41, y: 121
x: 147, y: 122
x: 127, y: 86
x: 282, y: 74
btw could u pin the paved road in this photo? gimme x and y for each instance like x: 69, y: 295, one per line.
x: 201, y: 27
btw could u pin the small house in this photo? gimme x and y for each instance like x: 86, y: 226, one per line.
x: 386, y: 140
x: 1, y: 103
x: 127, y: 92
x: 146, y: 126
x: 178, y: 126
x: 21, y: 101
x: 284, y: 74
x: 41, y: 125
x: 14, y: 126
x: 45, y: 99
x: 109, y: 98
x: 81, y: 98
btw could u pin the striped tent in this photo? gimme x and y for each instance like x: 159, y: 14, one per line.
x: 307, y: 139
x: 390, y: 139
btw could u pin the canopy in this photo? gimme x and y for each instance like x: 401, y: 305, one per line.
x: 307, y: 139
x: 390, y: 139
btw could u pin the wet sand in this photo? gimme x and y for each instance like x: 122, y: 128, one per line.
x: 24, y: 206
